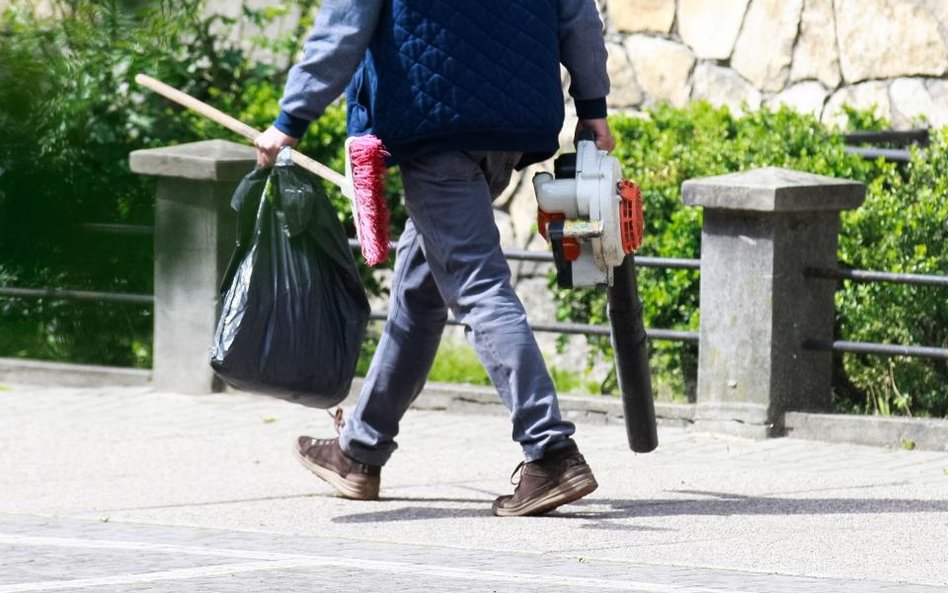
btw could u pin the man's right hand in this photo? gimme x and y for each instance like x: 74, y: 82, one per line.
x: 269, y: 144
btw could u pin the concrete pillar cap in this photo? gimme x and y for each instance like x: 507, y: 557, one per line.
x: 208, y: 160
x: 773, y: 189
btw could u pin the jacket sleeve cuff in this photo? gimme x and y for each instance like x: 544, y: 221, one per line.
x: 291, y: 125
x: 591, y: 108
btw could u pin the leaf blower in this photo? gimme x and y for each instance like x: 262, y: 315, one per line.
x: 594, y: 221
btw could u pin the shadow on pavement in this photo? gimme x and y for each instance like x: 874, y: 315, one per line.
x: 722, y: 504
x: 415, y: 513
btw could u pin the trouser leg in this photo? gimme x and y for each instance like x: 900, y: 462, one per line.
x: 448, y: 196
x: 451, y: 255
x: 403, y: 358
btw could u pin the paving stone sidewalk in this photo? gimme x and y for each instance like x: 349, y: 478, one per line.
x: 125, y: 489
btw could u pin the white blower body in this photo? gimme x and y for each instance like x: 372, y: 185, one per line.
x: 592, y: 217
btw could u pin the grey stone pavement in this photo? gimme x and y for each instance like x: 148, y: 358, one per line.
x: 115, y: 489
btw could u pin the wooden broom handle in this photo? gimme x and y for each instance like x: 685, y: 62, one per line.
x: 237, y: 126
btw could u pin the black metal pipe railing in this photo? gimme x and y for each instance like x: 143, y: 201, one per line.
x: 900, y: 138
x: 876, y: 348
x: 870, y: 276
x: 671, y: 335
x: 918, y: 136
x: 119, y: 229
x: 641, y: 261
x: 77, y: 295
x: 576, y: 328
x: 896, y: 155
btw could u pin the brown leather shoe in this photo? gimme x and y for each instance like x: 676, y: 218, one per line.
x: 326, y: 459
x: 560, y: 477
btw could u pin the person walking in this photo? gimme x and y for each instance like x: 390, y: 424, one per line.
x: 460, y: 93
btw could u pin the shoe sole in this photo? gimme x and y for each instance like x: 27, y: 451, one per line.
x: 572, y: 489
x: 346, y: 488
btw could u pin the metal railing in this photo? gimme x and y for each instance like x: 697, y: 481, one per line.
x: 90, y: 295
x: 899, y: 138
x: 584, y: 328
x: 874, y: 347
x: 578, y: 328
x: 869, y: 276
x: 514, y: 254
x: 76, y: 295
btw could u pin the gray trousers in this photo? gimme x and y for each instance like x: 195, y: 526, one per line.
x: 449, y: 258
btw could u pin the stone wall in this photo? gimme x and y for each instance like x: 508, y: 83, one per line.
x: 813, y: 55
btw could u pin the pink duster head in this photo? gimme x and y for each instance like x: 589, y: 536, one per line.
x: 367, y: 161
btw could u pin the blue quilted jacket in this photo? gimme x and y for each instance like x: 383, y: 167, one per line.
x: 432, y: 75
x: 460, y: 75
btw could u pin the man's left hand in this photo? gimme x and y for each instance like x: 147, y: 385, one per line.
x: 600, y: 129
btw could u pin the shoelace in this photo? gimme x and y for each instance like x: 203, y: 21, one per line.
x: 517, y: 474
x: 337, y: 419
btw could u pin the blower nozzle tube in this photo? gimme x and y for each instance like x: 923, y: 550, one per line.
x: 631, y: 352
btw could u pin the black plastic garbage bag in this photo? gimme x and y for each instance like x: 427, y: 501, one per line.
x: 293, y: 309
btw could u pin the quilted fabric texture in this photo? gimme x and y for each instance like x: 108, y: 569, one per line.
x: 461, y: 74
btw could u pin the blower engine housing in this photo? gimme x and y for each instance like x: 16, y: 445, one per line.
x: 590, y: 215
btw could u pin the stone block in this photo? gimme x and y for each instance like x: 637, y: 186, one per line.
x: 60, y: 374
x: 626, y: 91
x: 866, y: 95
x: 668, y: 82
x: 772, y: 189
x: 40, y: 8
x: 816, y: 56
x: 631, y: 16
x: 209, y: 160
x: 939, y: 10
x: 522, y: 205
x: 881, y: 39
x: 913, y: 103
x: 723, y: 86
x: 710, y: 27
x: 923, y: 433
x: 764, y: 48
x: 805, y: 97
x: 938, y: 89
x: 194, y: 239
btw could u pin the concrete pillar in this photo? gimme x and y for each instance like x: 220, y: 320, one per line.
x: 762, y: 228
x: 195, y: 232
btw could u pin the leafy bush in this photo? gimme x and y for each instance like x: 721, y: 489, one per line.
x: 70, y: 113
x: 901, y: 227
